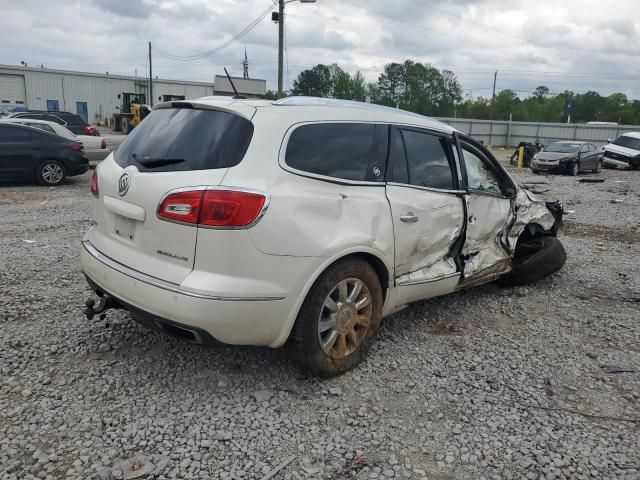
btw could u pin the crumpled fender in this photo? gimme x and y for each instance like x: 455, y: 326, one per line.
x: 529, y: 209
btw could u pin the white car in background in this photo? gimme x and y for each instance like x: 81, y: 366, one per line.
x: 95, y: 148
x: 623, y: 152
x: 302, y: 222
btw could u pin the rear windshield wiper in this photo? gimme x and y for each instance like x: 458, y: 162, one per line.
x: 158, y: 162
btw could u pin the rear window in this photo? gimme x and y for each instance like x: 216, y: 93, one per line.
x: 73, y: 119
x: 349, y: 151
x: 179, y: 139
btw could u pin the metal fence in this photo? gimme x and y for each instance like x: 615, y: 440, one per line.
x: 509, y: 134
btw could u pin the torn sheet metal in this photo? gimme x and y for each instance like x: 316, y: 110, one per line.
x: 488, y: 219
x: 529, y: 210
x: 495, y: 224
x: 440, y: 269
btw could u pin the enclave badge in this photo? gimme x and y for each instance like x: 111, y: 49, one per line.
x: 123, y: 184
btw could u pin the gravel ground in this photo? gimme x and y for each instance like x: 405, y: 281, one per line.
x: 488, y: 383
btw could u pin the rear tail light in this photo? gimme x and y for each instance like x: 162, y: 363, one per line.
x: 91, y: 130
x: 214, y: 208
x: 95, y: 191
x: 103, y: 145
x: 76, y: 146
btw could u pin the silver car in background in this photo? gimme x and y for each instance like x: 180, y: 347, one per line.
x: 569, y: 157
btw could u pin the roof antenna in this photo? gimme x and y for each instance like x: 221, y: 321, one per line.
x: 237, y: 95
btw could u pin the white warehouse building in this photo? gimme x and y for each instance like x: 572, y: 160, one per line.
x: 95, y: 96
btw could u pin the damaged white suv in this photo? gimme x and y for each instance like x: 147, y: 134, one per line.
x: 302, y: 222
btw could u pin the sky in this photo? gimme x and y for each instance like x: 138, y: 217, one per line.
x: 578, y: 45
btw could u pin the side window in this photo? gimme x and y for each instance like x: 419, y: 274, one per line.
x: 480, y: 177
x: 15, y: 134
x: 592, y: 148
x: 349, y: 151
x: 421, y: 159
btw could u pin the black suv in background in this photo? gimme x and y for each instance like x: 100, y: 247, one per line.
x: 73, y: 122
x: 29, y: 153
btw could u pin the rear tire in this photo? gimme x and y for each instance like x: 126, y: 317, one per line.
x: 51, y: 173
x: 338, y: 321
x: 598, y: 167
x: 534, y: 260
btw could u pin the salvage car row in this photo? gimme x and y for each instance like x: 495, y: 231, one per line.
x: 47, y: 146
x: 572, y: 157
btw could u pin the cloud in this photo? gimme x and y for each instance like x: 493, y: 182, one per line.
x: 578, y: 45
x: 125, y: 8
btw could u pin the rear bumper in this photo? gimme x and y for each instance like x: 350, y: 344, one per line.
x: 78, y: 167
x: 163, y: 306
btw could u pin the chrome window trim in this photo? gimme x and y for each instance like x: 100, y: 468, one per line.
x: 427, y: 189
x: 163, y: 284
x: 285, y: 143
x: 266, y: 205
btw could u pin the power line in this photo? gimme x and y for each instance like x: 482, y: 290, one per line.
x: 199, y: 56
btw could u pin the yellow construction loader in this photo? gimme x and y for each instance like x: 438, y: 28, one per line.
x: 132, y: 111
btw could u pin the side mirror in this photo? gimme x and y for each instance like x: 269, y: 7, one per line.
x: 609, y: 140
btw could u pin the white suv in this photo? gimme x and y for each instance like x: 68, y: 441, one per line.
x: 302, y: 222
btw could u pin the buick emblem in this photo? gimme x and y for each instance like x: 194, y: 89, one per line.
x: 124, y: 183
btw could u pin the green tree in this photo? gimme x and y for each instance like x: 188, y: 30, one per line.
x: 315, y: 82
x: 391, y: 84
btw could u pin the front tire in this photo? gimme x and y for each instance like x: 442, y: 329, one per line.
x: 125, y: 125
x: 338, y: 320
x: 573, y: 169
x: 535, y: 259
x: 51, y: 173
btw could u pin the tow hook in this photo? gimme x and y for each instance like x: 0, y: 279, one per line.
x: 105, y: 303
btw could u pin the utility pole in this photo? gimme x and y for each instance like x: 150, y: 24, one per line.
x: 150, y: 79
x: 493, y: 98
x: 280, y: 48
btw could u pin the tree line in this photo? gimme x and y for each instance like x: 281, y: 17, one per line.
x: 423, y: 89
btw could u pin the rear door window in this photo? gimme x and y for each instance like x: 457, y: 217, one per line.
x: 422, y: 159
x: 11, y: 134
x: 180, y: 139
x: 348, y: 151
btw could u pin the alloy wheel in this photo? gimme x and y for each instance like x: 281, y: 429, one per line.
x: 52, y: 173
x: 345, y: 318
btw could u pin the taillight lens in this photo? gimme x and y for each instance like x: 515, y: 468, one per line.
x: 76, y: 146
x: 91, y: 130
x: 95, y: 191
x: 182, y: 206
x: 213, y: 208
x: 103, y: 145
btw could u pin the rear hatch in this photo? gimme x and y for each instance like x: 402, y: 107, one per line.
x: 173, y: 148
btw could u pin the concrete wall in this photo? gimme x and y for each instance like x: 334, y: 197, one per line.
x: 504, y: 133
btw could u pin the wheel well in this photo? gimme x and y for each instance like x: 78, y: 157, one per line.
x: 380, y: 268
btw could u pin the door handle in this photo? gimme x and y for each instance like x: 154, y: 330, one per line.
x: 409, y: 218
